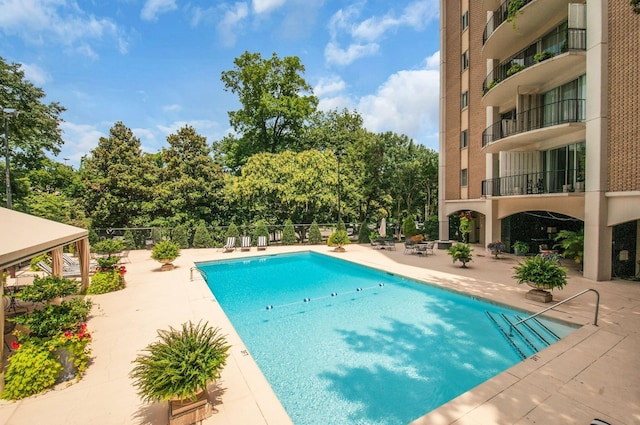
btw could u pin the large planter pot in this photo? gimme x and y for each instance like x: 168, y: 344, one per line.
x: 166, y: 266
x: 186, y: 412
x: 539, y: 295
x: 69, y: 370
x: 339, y: 249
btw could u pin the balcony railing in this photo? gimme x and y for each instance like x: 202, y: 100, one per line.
x: 562, y: 112
x: 499, y: 16
x: 565, y: 40
x: 556, y: 181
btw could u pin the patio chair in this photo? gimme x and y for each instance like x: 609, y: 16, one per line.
x: 409, y: 247
x: 230, y: 245
x: 70, y: 273
x: 262, y: 243
x: 245, y: 243
x: 429, y: 247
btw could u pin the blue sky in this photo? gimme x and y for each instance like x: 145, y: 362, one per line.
x: 155, y: 65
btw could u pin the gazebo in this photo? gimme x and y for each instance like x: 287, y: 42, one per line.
x: 23, y: 236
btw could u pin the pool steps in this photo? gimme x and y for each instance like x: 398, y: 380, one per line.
x: 526, y: 339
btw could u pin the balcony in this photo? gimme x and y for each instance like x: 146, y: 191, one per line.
x: 502, y: 84
x: 557, y: 181
x: 533, y: 20
x: 548, y: 122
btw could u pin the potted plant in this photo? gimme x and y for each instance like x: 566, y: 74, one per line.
x: 338, y: 239
x: 179, y: 367
x: 572, y: 243
x: 515, y: 68
x: 521, y: 248
x: 544, y: 55
x: 165, y: 252
x: 542, y: 274
x: 460, y: 252
x: 496, y: 247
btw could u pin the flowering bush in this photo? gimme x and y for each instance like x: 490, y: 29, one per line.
x: 107, y: 281
x: 32, y: 369
x: 76, y: 343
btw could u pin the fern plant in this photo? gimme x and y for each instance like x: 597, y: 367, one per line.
x: 181, y: 363
x: 460, y: 252
x: 541, y: 273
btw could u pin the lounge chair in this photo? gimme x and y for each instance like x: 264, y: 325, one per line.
x: 70, y: 273
x: 245, y: 243
x: 230, y: 245
x: 262, y: 243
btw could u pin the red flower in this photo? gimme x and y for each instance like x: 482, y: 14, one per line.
x: 68, y: 334
x: 15, y: 345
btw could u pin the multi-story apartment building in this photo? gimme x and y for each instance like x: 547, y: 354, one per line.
x: 539, y: 127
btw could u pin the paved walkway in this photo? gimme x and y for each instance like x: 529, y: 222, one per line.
x: 592, y: 373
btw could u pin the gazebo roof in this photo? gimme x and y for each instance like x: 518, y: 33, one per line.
x: 23, y: 236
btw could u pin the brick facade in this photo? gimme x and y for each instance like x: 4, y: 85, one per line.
x: 623, y: 138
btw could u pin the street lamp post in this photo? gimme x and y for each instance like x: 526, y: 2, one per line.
x: 6, y: 113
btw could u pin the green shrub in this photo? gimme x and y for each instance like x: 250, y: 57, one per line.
x: 202, y: 237
x: 572, y: 243
x: 460, y: 252
x: 53, y: 319
x: 129, y: 241
x: 315, y: 237
x: 44, y: 289
x: 107, y: 263
x: 32, y: 369
x: 338, y: 239
x: 289, y: 234
x: 107, y: 281
x: 232, y: 232
x: 181, y: 364
x: 541, y: 273
x: 260, y: 229
x: 363, y: 233
x: 521, y: 247
x: 109, y: 246
x: 180, y: 236
x: 341, y: 226
x: 409, y: 227
x: 514, y: 69
x: 165, y: 251
x: 93, y: 237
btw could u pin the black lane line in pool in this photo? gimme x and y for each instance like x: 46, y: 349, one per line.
x: 333, y: 294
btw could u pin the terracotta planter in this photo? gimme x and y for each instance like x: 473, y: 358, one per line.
x: 339, y: 249
x: 166, y: 266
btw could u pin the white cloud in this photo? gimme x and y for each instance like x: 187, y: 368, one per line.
x: 334, y: 54
x: 55, y: 21
x: 153, y: 8
x: 265, y: 6
x: 79, y: 140
x: 362, y: 37
x: 407, y: 103
x: 230, y: 21
x: 35, y: 74
x: 336, y: 103
x: 329, y: 85
x: 172, y: 108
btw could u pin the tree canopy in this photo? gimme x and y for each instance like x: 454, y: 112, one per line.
x: 275, y: 108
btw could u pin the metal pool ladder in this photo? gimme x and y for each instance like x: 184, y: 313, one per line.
x: 595, y: 320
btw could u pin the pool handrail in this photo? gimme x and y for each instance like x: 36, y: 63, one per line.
x: 595, y: 320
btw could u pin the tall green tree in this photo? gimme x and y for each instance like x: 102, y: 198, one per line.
x: 34, y: 132
x: 276, y: 104
x: 191, y: 182
x: 119, y: 181
x: 300, y: 186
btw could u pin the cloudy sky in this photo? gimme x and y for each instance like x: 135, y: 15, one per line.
x: 155, y: 65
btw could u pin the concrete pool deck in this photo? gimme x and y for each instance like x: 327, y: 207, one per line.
x: 592, y: 373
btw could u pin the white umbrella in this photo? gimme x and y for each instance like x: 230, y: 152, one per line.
x: 383, y: 228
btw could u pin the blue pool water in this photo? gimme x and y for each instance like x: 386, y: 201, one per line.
x: 345, y: 344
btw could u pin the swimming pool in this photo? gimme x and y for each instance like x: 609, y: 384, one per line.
x: 345, y: 344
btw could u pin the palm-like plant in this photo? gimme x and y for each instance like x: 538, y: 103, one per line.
x: 572, y: 243
x: 181, y: 363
